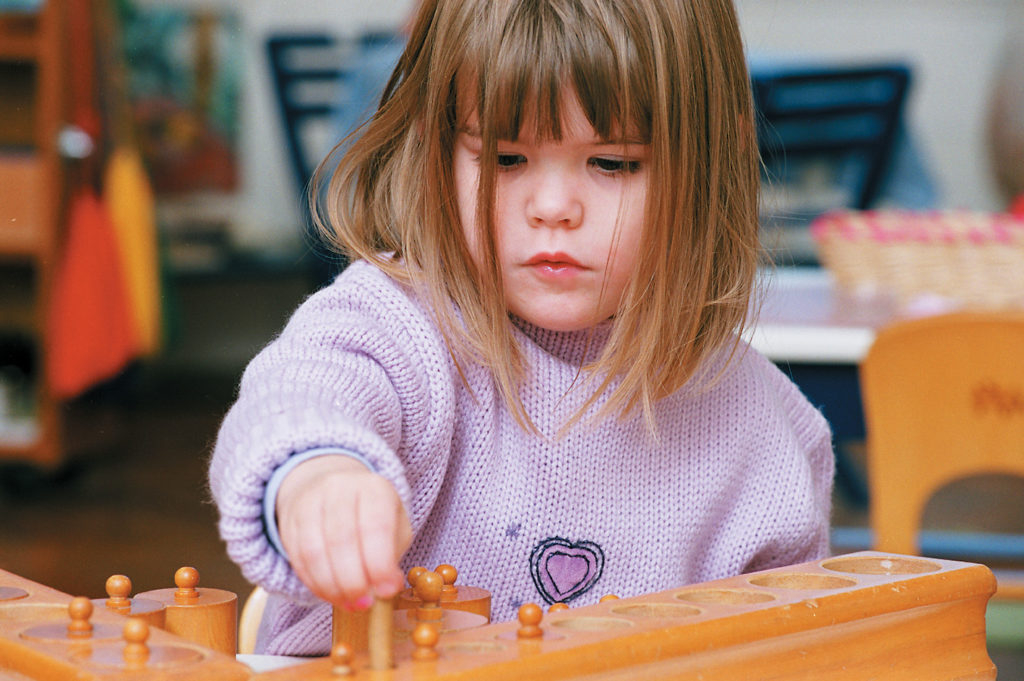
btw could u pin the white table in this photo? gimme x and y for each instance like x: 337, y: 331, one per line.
x: 804, y: 319
x: 267, y: 663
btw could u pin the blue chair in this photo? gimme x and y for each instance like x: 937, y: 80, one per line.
x: 848, y: 115
x: 831, y: 137
x: 306, y: 71
x: 325, y: 87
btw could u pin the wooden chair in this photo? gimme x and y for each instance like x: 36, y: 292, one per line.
x: 249, y: 620
x: 943, y: 401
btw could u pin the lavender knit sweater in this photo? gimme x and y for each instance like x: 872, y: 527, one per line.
x: 738, y: 479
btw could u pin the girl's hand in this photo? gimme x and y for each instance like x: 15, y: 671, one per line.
x: 344, y: 529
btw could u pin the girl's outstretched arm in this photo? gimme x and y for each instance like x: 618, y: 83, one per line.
x: 359, y: 368
x: 344, y: 529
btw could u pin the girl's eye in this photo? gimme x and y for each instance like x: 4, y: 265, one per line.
x: 614, y: 165
x: 510, y: 161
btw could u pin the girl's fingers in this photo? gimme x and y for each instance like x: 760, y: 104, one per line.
x: 377, y: 523
x: 303, y: 545
x: 342, y: 553
x: 344, y: 534
x: 311, y: 561
x: 316, y: 541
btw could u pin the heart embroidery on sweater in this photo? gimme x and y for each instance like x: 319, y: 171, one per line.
x: 563, y: 570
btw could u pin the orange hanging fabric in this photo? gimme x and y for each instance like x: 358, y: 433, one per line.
x: 90, y: 328
x: 90, y: 332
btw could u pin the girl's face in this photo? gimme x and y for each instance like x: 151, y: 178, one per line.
x: 568, y: 218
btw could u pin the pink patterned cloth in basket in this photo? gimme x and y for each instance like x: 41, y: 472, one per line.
x: 956, y: 258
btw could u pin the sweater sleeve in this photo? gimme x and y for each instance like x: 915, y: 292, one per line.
x: 358, y: 367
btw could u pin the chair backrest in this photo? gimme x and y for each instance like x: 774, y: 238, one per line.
x: 943, y: 401
x: 326, y: 85
x: 306, y: 70
x: 249, y: 620
x: 848, y: 115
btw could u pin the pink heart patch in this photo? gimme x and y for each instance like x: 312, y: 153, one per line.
x: 564, y: 570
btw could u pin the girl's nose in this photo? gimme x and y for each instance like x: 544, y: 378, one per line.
x: 555, y: 202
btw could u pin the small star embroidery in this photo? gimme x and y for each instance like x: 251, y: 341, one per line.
x: 513, y: 530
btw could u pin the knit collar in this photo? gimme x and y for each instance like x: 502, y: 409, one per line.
x: 571, y: 347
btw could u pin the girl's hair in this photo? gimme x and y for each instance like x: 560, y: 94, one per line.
x: 669, y: 71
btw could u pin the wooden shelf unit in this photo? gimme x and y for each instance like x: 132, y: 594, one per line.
x: 32, y: 198
x: 20, y: 35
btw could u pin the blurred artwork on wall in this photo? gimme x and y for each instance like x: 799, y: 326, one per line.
x: 184, y: 73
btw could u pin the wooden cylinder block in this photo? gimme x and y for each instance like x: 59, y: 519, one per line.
x: 351, y: 629
x: 469, y: 599
x: 448, y: 621
x: 208, y: 617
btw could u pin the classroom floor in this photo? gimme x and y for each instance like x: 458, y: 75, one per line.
x: 133, y: 500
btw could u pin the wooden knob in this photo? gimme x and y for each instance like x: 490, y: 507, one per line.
x: 80, y: 610
x: 341, y: 660
x: 119, y: 589
x: 448, y: 576
x: 530, y: 616
x: 136, y: 632
x: 414, y: 574
x: 428, y: 589
x: 425, y: 636
x: 186, y: 579
x: 558, y: 607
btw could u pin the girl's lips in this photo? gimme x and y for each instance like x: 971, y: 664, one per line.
x: 554, y: 266
x: 556, y: 260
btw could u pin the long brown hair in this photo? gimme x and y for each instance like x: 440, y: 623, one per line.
x: 669, y: 71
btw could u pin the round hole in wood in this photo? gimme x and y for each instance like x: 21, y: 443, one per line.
x: 661, y: 610
x: 881, y: 565
x: 591, y: 623
x: 801, y: 581
x: 11, y: 593
x: 472, y: 648
x: 58, y: 632
x: 726, y: 596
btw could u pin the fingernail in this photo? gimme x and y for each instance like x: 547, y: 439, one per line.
x: 361, y: 604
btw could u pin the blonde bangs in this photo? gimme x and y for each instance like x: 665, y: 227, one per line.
x: 531, y: 51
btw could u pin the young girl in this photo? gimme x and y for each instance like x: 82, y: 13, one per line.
x: 532, y: 369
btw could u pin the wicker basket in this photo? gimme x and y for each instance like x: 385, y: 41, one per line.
x: 966, y: 259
